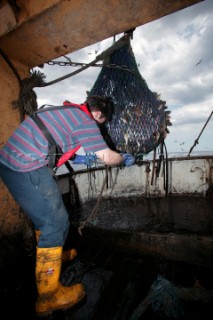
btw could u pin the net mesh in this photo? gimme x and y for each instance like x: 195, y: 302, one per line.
x: 140, y: 121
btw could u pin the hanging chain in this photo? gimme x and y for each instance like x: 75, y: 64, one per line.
x: 70, y: 63
x: 83, y: 65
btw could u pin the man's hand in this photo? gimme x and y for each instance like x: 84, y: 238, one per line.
x: 88, y: 159
x: 129, y: 160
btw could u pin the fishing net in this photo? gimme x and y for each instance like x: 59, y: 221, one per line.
x: 140, y: 121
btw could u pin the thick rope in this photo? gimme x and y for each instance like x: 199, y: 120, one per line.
x: 196, y: 141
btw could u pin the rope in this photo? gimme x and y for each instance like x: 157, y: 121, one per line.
x: 153, y: 166
x: 101, y: 56
x: 10, y: 64
x: 85, y: 65
x: 161, y: 158
x: 5, y: 57
x: 95, y: 209
x: 196, y: 141
x: 166, y: 171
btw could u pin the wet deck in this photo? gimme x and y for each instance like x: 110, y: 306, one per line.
x: 177, y: 228
x: 175, y: 214
x: 118, y: 278
x: 116, y: 283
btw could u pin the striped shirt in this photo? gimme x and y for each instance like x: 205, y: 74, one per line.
x: 27, y: 147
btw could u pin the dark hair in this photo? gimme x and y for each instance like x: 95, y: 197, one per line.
x: 103, y: 104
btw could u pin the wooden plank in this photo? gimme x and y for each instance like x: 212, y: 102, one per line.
x: 47, y: 31
x: 187, y: 248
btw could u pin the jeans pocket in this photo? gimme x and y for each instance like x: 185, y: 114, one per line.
x: 35, y: 178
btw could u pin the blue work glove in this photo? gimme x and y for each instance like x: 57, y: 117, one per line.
x: 88, y: 159
x: 129, y: 160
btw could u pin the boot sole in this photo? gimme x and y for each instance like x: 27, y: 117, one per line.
x: 62, y: 308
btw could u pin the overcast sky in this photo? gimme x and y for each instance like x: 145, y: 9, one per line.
x: 175, y: 57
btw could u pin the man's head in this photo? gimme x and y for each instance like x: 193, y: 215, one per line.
x: 102, y: 108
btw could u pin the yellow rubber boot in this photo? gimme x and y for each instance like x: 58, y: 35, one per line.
x: 52, y: 295
x: 67, y: 255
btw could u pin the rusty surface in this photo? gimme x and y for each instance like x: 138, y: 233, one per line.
x: 178, y: 228
x: 48, y: 29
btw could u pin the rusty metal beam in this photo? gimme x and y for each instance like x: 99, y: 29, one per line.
x: 53, y: 28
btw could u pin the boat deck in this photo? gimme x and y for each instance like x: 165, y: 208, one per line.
x: 117, y: 282
x: 120, y: 260
x: 179, y: 228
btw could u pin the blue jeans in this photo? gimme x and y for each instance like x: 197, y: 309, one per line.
x: 37, y: 193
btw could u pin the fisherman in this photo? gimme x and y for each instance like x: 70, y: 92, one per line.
x: 24, y: 169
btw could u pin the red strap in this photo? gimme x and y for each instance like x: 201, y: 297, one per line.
x: 66, y: 156
x: 83, y: 107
